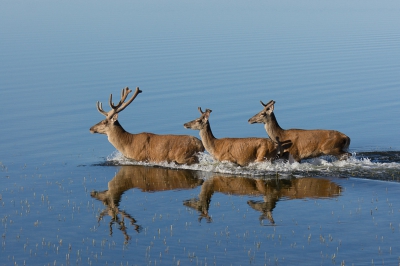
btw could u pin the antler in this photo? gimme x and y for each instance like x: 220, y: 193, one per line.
x: 121, y: 105
x: 201, y: 112
x: 268, y: 104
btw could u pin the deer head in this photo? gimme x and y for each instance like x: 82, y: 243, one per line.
x: 200, y: 122
x: 104, y: 126
x: 265, y: 207
x: 262, y: 116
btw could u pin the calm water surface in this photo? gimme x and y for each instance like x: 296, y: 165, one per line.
x: 67, y: 197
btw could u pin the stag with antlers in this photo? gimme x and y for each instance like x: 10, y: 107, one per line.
x: 148, y: 147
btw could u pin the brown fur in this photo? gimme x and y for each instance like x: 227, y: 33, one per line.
x: 148, y: 179
x: 271, y: 190
x: 241, y: 151
x: 302, y: 143
x: 148, y: 147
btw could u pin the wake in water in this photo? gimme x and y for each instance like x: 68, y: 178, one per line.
x: 371, y: 165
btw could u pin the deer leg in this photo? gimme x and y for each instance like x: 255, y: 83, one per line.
x: 187, y: 160
x: 344, y: 156
x: 284, y: 156
x: 339, y: 154
x: 263, y: 155
x: 192, y: 160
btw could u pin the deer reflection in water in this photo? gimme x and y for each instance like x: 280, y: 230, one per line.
x: 272, y: 190
x: 148, y: 179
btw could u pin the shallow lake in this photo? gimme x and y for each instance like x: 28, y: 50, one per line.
x: 67, y: 197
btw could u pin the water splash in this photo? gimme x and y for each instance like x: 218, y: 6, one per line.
x: 371, y: 165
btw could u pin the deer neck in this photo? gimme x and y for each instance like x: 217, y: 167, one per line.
x: 120, y: 138
x: 272, y: 127
x: 208, y: 138
x: 206, y: 192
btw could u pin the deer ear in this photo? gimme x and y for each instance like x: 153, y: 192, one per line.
x: 269, y: 108
x: 206, y: 116
x: 114, y: 118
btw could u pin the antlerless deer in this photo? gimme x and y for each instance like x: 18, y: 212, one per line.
x: 241, y: 151
x: 271, y: 190
x: 302, y: 143
x: 148, y: 147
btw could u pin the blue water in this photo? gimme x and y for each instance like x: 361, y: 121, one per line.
x: 330, y: 65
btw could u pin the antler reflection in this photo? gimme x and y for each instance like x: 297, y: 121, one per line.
x: 148, y: 179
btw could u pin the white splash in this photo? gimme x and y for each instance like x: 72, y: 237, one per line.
x: 354, y: 166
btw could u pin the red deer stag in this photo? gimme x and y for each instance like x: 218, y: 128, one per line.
x: 149, y: 147
x: 241, y: 151
x: 303, y: 143
x: 147, y: 179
